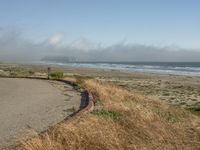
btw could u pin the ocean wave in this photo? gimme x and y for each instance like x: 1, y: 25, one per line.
x: 158, y: 68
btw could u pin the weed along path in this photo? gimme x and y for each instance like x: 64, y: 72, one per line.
x: 35, y: 104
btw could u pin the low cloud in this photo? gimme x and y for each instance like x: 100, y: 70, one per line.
x: 56, y: 39
x: 82, y: 44
x: 13, y: 47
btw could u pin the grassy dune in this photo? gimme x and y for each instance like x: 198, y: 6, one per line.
x: 122, y: 119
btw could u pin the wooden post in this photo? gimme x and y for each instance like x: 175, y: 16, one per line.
x: 48, y: 72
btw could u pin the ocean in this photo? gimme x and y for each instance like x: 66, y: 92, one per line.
x: 174, y: 68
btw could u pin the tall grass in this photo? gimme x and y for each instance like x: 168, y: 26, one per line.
x: 144, y: 124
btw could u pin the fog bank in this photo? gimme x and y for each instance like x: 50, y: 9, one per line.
x: 14, y: 47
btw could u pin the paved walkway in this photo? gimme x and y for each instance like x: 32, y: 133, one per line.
x: 30, y: 103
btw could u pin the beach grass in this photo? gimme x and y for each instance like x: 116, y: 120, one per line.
x: 128, y: 114
x: 114, y: 115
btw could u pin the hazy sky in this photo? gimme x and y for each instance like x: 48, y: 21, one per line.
x: 88, y: 25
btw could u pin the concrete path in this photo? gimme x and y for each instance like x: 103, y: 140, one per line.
x: 36, y: 104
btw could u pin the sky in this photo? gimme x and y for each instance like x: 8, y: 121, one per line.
x: 57, y: 27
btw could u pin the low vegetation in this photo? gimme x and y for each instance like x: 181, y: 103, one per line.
x: 195, y: 108
x: 14, y: 70
x: 182, y: 92
x: 122, y: 119
x: 56, y: 75
x: 108, y: 113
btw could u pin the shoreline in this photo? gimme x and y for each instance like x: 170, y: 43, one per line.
x: 96, y: 69
x: 134, y: 68
x: 179, y: 90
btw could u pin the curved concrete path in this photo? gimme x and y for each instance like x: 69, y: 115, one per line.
x: 30, y: 103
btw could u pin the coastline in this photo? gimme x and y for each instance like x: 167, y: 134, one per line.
x: 178, y: 90
x: 125, y: 103
x: 166, y: 68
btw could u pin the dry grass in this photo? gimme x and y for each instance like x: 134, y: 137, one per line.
x: 143, y: 124
x: 70, y: 78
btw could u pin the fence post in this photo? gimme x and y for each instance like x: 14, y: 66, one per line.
x: 48, y: 72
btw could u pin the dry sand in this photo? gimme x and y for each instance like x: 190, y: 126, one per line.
x: 35, y: 104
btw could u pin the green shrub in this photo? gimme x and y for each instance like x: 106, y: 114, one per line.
x: 108, y: 113
x: 31, y: 72
x: 77, y: 87
x: 13, y: 74
x: 195, y: 108
x: 56, y: 75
